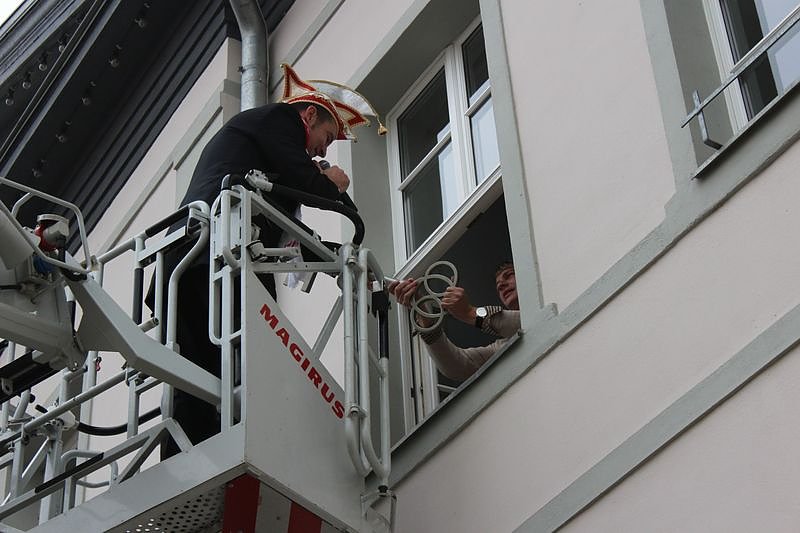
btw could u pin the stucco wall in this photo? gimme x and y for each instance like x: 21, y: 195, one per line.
x: 592, y: 137
x: 350, y: 36
x: 737, y: 471
x: 722, y: 284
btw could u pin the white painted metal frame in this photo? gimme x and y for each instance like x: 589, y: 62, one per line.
x: 359, y: 270
x: 231, y: 263
x: 31, y: 193
x: 18, y: 428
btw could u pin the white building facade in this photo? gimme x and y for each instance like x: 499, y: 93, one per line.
x: 653, y: 383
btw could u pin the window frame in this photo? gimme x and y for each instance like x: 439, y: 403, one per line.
x: 460, y: 137
x: 419, y: 374
x: 734, y: 99
x: 723, y: 51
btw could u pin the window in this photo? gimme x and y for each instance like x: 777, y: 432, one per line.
x: 737, y: 26
x: 446, y: 195
x: 445, y: 144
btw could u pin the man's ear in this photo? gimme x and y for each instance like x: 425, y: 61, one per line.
x: 310, y: 114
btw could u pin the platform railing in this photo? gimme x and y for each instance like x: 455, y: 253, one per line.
x: 359, y: 276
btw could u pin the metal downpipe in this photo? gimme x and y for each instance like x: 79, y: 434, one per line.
x: 255, y: 55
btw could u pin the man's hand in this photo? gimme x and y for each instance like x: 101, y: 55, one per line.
x: 456, y: 302
x: 338, y: 177
x: 404, y: 291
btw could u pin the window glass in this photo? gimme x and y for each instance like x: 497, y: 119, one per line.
x: 430, y: 198
x: 440, y: 163
x: 423, y: 124
x: 476, y: 69
x: 747, y: 22
x: 484, y: 141
x: 786, y: 54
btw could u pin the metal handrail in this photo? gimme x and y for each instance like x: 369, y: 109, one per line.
x: 749, y: 58
x: 353, y: 410
x: 72, y: 267
x: 380, y: 465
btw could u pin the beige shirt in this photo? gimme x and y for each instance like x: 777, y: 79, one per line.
x: 460, y: 363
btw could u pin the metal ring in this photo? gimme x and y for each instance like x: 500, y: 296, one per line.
x: 416, y: 310
x: 432, y: 296
x: 427, y: 314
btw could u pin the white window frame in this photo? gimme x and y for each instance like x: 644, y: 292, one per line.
x: 734, y: 99
x: 422, y: 375
x: 460, y: 136
x: 724, y: 55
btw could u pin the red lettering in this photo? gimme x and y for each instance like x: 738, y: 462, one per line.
x: 325, y: 390
x: 314, y: 376
x: 296, y: 352
x: 284, y: 335
x: 269, y: 317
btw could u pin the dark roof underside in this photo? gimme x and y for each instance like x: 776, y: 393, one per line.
x: 79, y: 128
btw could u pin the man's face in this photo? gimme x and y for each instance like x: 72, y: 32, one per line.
x: 322, y: 131
x: 506, y: 284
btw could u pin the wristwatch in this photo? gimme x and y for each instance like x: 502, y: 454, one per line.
x: 480, y: 314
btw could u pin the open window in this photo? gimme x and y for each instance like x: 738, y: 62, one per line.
x: 757, y: 49
x: 446, y: 196
x: 477, y: 252
x: 443, y: 148
x: 746, y: 23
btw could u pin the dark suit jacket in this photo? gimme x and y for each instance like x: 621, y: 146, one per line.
x: 270, y: 138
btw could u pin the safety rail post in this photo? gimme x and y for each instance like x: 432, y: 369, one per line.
x: 353, y: 411
x: 5, y: 413
x: 71, y: 485
x: 89, y: 381
x: 234, y: 208
x: 11, y: 350
x: 380, y: 465
x: 138, y: 296
x: 132, y: 380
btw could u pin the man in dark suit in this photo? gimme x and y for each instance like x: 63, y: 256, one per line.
x: 280, y: 139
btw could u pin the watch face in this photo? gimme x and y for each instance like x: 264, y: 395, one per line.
x: 481, y: 312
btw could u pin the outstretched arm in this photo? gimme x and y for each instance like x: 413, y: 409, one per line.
x: 455, y: 362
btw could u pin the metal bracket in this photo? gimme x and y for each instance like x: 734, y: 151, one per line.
x: 701, y: 120
x: 376, y: 521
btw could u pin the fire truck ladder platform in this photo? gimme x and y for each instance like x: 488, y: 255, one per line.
x: 295, y: 445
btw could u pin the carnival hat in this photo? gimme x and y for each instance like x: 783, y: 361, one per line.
x: 349, y: 108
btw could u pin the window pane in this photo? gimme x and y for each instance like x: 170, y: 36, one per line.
x: 747, y: 22
x: 484, y: 141
x: 786, y: 52
x: 431, y: 198
x: 475, y: 66
x: 423, y: 124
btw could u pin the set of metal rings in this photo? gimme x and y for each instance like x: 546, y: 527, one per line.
x: 429, y: 302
